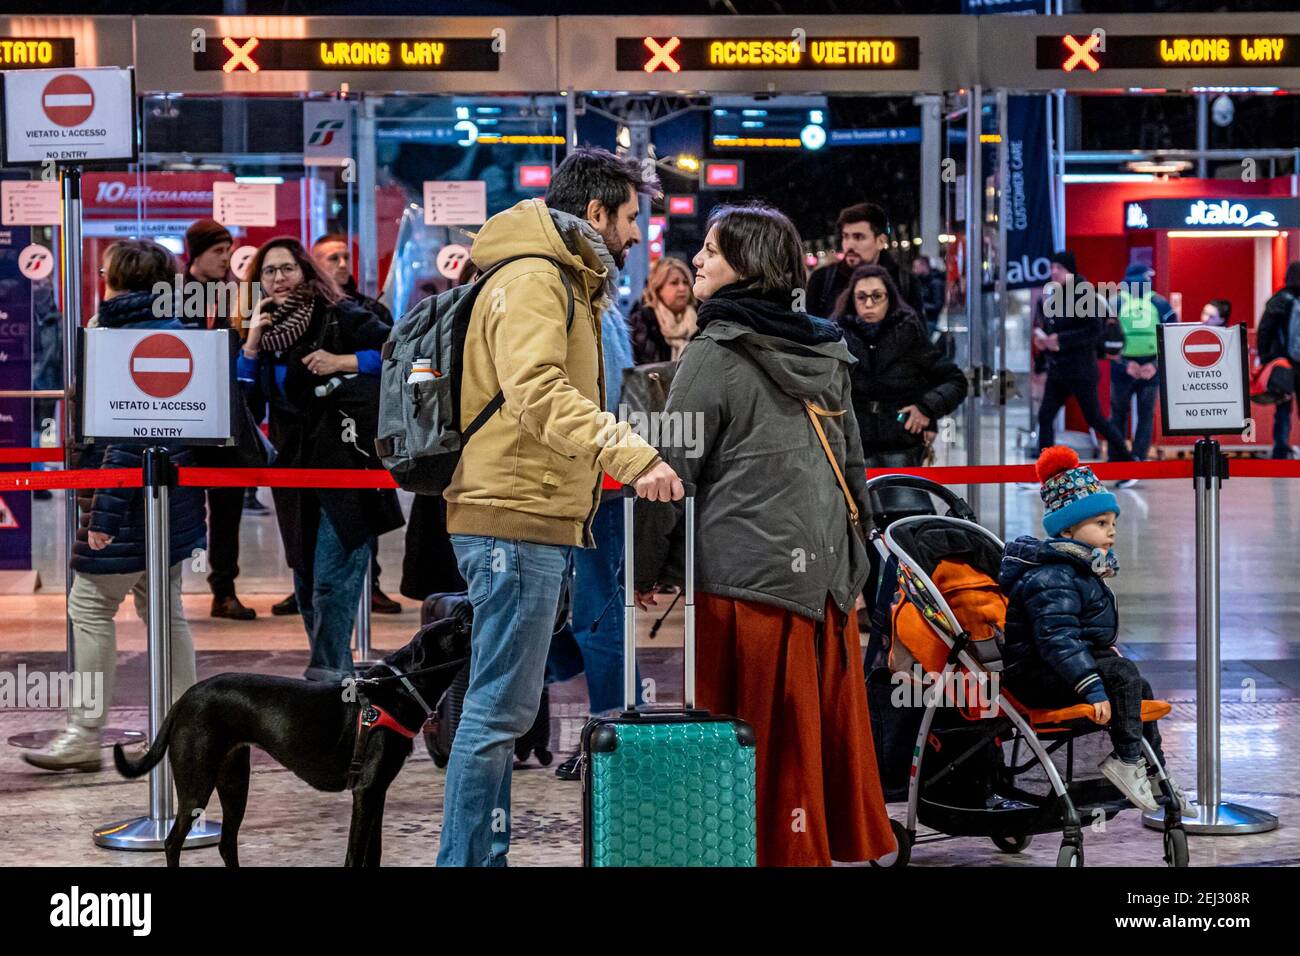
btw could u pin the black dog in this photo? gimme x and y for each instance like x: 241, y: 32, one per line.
x: 334, y: 736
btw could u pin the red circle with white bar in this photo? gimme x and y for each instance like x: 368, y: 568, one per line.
x: 68, y: 100
x: 1202, y: 348
x: 161, y: 366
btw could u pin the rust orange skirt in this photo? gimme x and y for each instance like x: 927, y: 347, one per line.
x: 819, y: 796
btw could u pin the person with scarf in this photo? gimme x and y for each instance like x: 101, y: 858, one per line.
x: 333, y: 254
x: 315, y: 356
x: 902, y: 384
x: 780, y: 553
x: 666, y: 320
x: 1063, y: 623
x: 525, y: 493
x: 108, y: 557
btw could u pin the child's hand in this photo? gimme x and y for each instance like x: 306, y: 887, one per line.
x: 1101, y: 712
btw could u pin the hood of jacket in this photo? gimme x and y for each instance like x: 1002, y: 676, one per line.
x: 801, y: 353
x: 131, y: 308
x: 529, y: 227
x: 1027, y: 552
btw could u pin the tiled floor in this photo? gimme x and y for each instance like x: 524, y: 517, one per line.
x: 48, y: 818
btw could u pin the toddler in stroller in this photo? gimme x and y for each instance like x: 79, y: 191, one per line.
x: 1062, y: 622
x: 950, y: 733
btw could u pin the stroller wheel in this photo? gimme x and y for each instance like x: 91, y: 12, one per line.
x: 1176, y: 847
x: 903, y: 855
x: 1013, y: 844
x: 1069, y: 856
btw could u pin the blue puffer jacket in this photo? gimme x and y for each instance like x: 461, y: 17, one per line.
x: 120, y: 511
x: 1058, y: 611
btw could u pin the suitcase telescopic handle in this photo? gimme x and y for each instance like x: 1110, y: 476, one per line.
x: 629, y: 602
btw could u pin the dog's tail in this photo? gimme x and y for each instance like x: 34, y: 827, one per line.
x: 127, y: 768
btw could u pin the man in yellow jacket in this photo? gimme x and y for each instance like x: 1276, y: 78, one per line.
x: 528, y: 484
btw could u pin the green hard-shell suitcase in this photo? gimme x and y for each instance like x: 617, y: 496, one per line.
x: 666, y: 787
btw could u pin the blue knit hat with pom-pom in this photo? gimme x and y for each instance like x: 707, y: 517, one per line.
x: 1071, y: 492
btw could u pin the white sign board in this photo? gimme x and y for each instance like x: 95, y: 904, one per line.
x: 157, y: 385
x: 243, y: 204
x: 1203, y: 379
x: 457, y: 203
x: 69, y: 116
x: 35, y: 203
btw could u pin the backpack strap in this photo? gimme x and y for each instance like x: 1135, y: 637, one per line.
x: 499, y: 398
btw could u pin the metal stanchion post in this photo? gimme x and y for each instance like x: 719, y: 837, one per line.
x: 150, y: 833
x: 363, y: 657
x: 1213, y: 817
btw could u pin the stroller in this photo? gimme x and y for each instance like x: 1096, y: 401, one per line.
x: 947, y: 751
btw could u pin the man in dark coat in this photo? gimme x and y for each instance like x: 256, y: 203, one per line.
x: 1068, y: 323
x: 333, y: 253
x: 864, y: 239
x: 1270, y: 341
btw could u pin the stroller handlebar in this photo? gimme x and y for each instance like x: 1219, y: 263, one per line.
x: 957, y: 506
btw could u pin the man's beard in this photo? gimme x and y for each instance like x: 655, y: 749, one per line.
x: 617, y: 253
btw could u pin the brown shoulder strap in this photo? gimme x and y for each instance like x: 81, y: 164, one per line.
x: 814, y: 415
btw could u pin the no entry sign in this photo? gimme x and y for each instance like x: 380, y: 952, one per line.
x: 150, y: 385
x: 68, y: 100
x: 161, y: 365
x: 69, y: 116
x: 1202, y: 348
x: 1202, y: 379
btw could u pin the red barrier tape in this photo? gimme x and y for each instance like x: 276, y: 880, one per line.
x: 26, y: 456
x: 284, y: 478
x: 373, y: 479
x: 85, y: 478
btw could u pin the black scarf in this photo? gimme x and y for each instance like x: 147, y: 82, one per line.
x: 290, y: 319
x: 767, y: 313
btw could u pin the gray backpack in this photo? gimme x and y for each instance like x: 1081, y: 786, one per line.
x: 420, y: 436
x: 1293, y: 333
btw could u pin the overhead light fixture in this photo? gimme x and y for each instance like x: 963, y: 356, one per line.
x: 1223, y: 233
x: 1160, y: 168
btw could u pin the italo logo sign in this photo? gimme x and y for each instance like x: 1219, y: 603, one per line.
x: 1232, y: 214
x: 1225, y: 213
x: 1024, y: 270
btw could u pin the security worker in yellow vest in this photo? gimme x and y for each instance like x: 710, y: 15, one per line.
x: 1140, y: 310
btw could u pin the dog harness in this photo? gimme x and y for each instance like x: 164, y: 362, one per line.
x: 371, y: 716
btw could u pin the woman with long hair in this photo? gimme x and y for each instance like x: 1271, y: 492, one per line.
x: 780, y: 553
x: 314, y: 354
x: 902, y: 384
x: 666, y: 319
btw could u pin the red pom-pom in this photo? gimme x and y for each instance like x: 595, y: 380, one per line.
x: 1055, y: 460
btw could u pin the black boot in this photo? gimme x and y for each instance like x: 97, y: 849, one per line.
x: 288, y: 606
x: 231, y: 607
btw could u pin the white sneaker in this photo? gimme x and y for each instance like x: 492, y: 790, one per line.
x: 1131, y: 779
x: 1126, y: 483
x: 76, y: 748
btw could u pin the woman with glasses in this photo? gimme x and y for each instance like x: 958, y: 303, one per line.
x: 902, y: 384
x: 315, y: 355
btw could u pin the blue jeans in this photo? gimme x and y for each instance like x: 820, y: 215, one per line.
x: 594, y: 641
x: 514, y: 587
x: 1122, y: 387
x: 328, y: 599
x: 1282, y: 430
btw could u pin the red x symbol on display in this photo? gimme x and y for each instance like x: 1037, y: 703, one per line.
x: 661, y: 54
x: 1082, y: 53
x: 239, y: 55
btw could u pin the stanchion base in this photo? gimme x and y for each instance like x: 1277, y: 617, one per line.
x: 144, y: 833
x: 1226, y: 819
x: 36, y: 739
